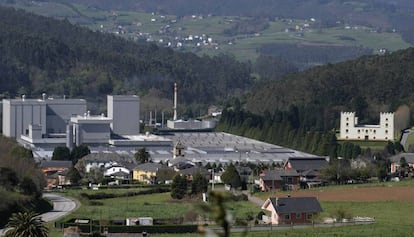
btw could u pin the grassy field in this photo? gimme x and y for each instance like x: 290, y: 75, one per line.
x: 394, y: 217
x: 158, y: 206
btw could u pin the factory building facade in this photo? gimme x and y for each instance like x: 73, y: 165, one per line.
x: 39, y: 117
x: 67, y: 121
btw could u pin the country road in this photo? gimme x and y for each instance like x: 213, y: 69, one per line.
x: 61, y: 207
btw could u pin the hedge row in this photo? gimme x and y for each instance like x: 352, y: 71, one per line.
x: 98, y: 196
x: 88, y: 228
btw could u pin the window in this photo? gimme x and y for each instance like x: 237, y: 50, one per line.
x: 309, y: 216
x: 366, y: 131
x: 347, y: 124
x: 386, y: 125
x: 347, y: 119
x: 287, y: 216
x: 375, y: 131
x: 346, y: 130
x: 386, y: 131
x: 359, y: 130
x: 386, y: 119
x: 298, y: 216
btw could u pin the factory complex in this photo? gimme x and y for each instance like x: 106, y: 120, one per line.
x: 45, y: 123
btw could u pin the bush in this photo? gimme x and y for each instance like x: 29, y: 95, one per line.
x: 342, y: 213
x: 98, y: 196
x: 95, y: 203
x: 240, y: 197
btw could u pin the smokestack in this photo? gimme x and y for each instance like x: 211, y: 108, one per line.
x: 150, y: 118
x: 175, y: 101
x: 162, y: 119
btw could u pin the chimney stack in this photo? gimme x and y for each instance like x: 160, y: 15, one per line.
x: 175, y: 101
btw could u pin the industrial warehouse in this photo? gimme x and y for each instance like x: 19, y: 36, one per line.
x: 45, y: 123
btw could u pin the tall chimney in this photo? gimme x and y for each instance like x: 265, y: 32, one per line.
x: 175, y: 101
x: 150, y: 118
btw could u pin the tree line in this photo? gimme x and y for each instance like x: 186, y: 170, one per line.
x: 21, y: 181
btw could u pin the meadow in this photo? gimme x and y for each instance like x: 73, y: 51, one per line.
x: 392, y: 212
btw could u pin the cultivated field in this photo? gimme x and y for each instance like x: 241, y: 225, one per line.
x: 365, y: 194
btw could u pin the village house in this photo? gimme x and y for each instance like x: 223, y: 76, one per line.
x: 102, y: 160
x: 396, y: 161
x: 117, y: 172
x: 190, y: 172
x: 55, y: 172
x: 150, y: 173
x: 291, y: 210
x: 279, y: 179
x: 308, y: 169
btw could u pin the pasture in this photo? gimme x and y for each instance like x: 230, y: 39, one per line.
x: 391, y: 204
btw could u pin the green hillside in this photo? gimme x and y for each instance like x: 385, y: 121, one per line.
x: 313, y: 31
x: 40, y: 54
x: 367, y: 85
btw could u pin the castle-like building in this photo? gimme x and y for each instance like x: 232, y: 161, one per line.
x: 351, y: 130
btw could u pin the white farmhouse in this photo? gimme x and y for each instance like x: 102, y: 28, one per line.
x: 351, y: 130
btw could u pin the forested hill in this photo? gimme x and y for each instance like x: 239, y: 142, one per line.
x: 40, y: 54
x: 367, y: 85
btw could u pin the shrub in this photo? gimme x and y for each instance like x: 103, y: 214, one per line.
x: 342, y: 213
x: 95, y: 203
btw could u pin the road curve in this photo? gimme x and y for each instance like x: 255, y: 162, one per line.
x: 61, y: 207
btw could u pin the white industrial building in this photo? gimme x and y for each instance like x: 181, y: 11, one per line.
x: 351, y: 130
x: 124, y: 112
x: 191, y: 124
x: 47, y: 116
x: 60, y: 121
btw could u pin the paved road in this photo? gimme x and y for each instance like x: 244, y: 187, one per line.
x: 61, y: 207
x: 404, y: 137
